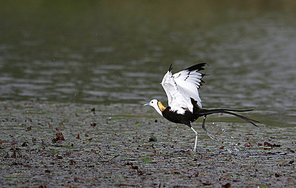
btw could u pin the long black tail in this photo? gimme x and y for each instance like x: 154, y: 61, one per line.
x: 205, y: 112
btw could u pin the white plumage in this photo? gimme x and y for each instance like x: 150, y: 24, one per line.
x: 184, y: 104
x: 180, y: 88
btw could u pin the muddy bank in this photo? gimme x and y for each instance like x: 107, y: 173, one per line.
x: 74, y: 145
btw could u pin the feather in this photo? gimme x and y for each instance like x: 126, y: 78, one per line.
x: 182, y: 86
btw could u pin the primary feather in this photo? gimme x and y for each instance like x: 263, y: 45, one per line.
x: 183, y: 86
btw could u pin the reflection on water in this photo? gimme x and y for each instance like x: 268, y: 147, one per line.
x: 117, y: 52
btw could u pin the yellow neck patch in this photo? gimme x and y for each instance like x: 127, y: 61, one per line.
x: 161, y: 107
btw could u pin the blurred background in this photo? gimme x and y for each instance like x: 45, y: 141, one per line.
x: 106, y: 52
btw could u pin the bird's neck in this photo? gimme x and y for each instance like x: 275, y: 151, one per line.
x: 160, y: 108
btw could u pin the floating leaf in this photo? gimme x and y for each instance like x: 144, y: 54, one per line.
x: 147, y: 160
x: 72, y: 162
x: 53, y: 151
x: 227, y: 185
x: 60, y: 136
x: 53, y: 105
x: 25, y: 144
x: 262, y: 186
x: 93, y: 124
x: 152, y: 139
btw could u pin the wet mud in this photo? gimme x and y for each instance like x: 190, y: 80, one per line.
x: 74, y: 145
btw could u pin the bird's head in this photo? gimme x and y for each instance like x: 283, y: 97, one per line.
x: 157, y: 105
x: 152, y: 103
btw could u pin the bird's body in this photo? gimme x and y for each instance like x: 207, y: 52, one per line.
x: 184, y: 103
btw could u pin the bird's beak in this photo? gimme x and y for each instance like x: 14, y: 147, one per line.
x: 147, y: 104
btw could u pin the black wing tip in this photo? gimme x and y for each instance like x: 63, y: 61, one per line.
x: 196, y: 67
x: 171, y: 68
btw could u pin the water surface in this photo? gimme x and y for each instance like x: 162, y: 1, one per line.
x: 104, y: 52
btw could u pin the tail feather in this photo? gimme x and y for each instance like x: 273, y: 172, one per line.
x: 205, y: 112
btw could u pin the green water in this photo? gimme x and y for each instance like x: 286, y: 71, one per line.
x: 105, y: 52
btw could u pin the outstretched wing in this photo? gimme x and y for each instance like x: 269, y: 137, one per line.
x: 183, y: 86
x: 190, y: 81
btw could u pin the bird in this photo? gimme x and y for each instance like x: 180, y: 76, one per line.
x: 184, y: 103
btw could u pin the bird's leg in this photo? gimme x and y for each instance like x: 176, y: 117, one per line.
x: 204, y: 128
x: 195, y: 143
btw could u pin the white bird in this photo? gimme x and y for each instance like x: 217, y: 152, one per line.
x: 184, y: 103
